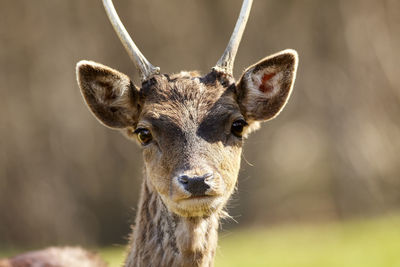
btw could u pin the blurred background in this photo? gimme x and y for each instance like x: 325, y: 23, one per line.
x: 331, y: 156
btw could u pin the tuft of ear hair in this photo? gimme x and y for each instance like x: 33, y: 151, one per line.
x: 265, y: 87
x: 109, y: 94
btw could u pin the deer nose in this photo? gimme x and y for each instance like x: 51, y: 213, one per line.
x: 196, y: 185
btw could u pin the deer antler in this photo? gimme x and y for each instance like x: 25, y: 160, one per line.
x: 145, y: 68
x: 225, y: 63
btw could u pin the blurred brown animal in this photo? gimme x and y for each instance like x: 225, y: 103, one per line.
x: 55, y: 257
x: 191, y: 129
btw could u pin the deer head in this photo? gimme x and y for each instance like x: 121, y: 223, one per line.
x: 190, y: 126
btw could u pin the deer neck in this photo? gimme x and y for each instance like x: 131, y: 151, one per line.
x: 162, y: 238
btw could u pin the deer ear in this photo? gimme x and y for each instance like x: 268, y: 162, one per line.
x: 109, y: 94
x: 265, y: 87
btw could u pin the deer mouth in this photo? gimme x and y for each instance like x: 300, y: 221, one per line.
x: 200, y: 197
x: 208, y: 195
x: 205, y: 201
x: 198, y: 205
x: 194, y: 206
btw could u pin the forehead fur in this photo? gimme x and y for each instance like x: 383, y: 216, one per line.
x: 187, y: 97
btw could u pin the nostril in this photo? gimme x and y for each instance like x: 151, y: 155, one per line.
x: 208, y: 176
x: 183, y: 179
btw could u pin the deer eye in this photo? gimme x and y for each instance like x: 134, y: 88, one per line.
x: 144, y: 136
x: 237, y: 127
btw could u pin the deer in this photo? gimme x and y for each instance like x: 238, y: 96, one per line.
x: 191, y: 129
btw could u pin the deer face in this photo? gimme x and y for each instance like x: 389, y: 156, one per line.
x: 190, y: 127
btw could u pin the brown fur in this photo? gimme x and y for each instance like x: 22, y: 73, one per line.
x: 55, y: 257
x: 162, y: 238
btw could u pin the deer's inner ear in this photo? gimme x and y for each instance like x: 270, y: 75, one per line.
x: 265, y: 87
x: 109, y: 94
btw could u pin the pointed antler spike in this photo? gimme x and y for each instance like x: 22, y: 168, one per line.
x: 145, y: 68
x: 225, y: 63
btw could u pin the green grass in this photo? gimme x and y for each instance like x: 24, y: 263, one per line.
x: 358, y: 243
x: 115, y: 256
x: 363, y: 243
x: 374, y: 243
